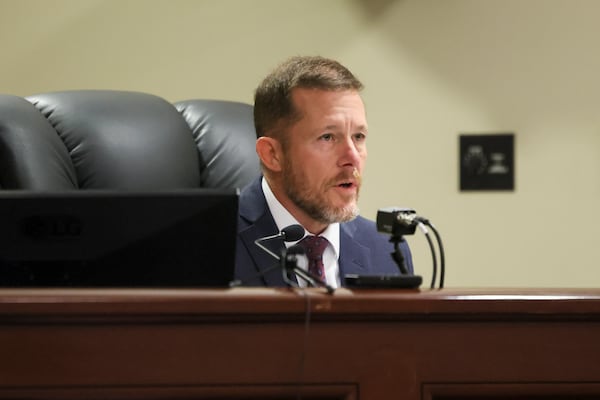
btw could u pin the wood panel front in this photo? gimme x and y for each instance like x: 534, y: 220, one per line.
x: 287, y: 344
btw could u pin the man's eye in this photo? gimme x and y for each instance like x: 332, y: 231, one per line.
x: 360, y: 136
x: 327, y: 137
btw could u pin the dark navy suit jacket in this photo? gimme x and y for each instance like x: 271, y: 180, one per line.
x: 363, y: 250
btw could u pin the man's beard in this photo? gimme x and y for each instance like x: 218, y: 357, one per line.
x: 314, y: 202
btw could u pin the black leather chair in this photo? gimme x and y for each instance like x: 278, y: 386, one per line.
x: 124, y: 140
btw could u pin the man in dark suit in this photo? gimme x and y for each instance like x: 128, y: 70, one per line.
x: 311, y: 126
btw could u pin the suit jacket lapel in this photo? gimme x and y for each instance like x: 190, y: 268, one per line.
x: 254, y: 210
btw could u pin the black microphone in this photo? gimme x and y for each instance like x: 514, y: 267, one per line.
x: 397, y: 222
x: 404, y: 221
x: 290, y: 233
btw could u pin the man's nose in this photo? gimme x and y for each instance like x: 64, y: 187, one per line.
x: 352, y: 153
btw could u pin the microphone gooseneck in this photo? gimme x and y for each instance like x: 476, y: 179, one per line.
x: 290, y: 233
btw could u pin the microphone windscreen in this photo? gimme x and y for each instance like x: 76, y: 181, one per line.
x: 292, y: 233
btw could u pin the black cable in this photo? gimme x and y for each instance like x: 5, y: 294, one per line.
x: 442, y: 255
x: 305, y: 343
x: 433, y: 256
x: 440, y: 248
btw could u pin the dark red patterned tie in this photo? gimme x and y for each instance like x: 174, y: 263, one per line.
x: 314, y: 246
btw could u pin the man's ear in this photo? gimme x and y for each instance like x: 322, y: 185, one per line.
x: 270, y: 153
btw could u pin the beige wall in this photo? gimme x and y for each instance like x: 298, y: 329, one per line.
x: 432, y: 69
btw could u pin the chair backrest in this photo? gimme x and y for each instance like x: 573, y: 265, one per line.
x: 97, y: 139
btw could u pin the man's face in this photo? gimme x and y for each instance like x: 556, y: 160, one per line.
x: 325, y: 154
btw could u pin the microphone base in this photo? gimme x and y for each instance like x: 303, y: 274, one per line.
x: 383, y: 281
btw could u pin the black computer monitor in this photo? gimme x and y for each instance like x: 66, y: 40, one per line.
x: 90, y: 238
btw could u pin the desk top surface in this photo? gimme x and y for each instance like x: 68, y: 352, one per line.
x: 271, y: 303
